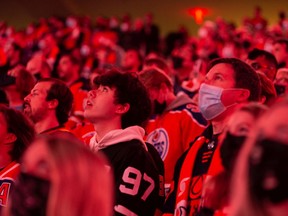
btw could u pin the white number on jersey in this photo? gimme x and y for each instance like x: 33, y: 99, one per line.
x: 133, y: 177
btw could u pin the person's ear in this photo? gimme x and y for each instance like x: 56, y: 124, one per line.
x: 122, y: 108
x: 10, y: 138
x: 52, y: 104
x: 263, y: 99
x: 243, y: 95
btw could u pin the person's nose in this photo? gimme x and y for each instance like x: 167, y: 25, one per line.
x: 92, y: 94
x: 27, y: 98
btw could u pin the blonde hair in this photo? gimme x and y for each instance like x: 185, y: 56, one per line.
x: 153, y: 78
x: 83, y: 185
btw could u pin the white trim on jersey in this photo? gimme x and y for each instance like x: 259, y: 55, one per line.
x: 123, y: 210
x: 11, y: 168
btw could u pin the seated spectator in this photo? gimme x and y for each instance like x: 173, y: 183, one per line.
x: 263, y: 62
x: 259, y: 184
x: 132, y: 61
x: 17, y: 83
x: 16, y: 133
x: 280, y: 51
x: 60, y: 176
x: 48, y: 105
x: 38, y: 66
x: 174, y: 123
x: 229, y: 83
x: 68, y: 70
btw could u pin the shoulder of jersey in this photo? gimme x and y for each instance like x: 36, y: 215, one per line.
x: 194, y: 111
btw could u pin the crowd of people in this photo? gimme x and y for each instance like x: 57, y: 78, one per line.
x: 107, y: 117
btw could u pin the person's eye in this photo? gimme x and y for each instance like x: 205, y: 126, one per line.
x: 217, y: 77
x: 255, y: 66
x: 243, y: 131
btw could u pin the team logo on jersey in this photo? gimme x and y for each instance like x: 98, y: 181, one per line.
x: 159, y: 139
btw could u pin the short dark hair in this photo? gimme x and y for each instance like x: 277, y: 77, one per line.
x: 128, y: 89
x: 255, y: 53
x: 244, y: 75
x: 61, y: 92
x: 282, y: 41
x: 74, y: 60
x: 21, y: 127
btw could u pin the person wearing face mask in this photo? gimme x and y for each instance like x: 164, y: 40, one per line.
x: 215, y: 195
x: 229, y: 82
x: 60, y: 176
x: 175, y: 121
x: 259, y: 181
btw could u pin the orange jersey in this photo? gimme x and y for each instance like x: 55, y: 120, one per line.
x: 172, y: 132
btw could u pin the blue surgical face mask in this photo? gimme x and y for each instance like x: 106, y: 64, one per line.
x: 210, y: 103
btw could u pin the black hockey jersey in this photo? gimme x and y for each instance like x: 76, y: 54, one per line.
x: 136, y: 178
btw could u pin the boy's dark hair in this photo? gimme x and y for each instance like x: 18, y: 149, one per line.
x: 128, y: 89
x: 244, y: 75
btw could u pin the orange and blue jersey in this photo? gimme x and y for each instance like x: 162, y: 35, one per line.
x: 172, y: 132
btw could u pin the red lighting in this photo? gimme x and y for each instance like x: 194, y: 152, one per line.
x: 198, y: 14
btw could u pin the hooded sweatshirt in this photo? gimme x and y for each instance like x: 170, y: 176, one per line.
x: 118, y: 136
x: 136, y: 176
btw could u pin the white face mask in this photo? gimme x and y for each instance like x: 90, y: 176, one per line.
x: 210, y: 103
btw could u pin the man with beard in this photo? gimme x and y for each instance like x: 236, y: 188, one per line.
x: 176, y: 120
x: 48, y: 105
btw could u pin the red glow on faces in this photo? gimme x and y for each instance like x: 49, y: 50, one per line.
x: 198, y: 14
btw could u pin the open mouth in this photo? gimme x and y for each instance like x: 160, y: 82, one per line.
x: 26, y: 107
x: 88, y: 104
